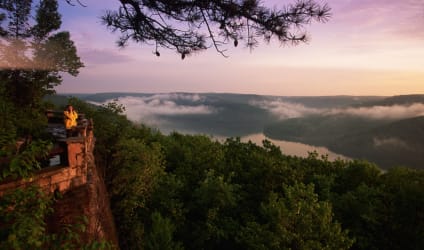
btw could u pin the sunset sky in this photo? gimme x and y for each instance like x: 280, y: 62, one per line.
x: 367, y: 48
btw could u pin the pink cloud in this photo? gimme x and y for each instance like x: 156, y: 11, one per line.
x: 103, y: 56
x: 385, y: 17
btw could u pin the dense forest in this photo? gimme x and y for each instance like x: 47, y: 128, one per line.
x: 190, y: 192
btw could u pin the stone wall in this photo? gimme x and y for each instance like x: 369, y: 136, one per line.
x: 61, y: 178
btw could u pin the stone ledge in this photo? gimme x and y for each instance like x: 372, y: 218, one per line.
x: 52, y: 179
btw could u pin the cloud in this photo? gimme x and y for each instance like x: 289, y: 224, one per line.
x: 151, y: 109
x: 176, y: 97
x: 103, y: 56
x: 286, y: 110
x: 391, y: 142
x: 392, y: 17
x: 394, y: 112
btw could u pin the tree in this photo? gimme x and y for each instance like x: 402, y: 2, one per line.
x: 191, y: 26
x: 34, y: 54
x: 140, y: 167
x: 160, y: 237
x: 295, y: 220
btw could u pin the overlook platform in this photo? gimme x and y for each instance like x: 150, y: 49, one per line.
x: 67, y: 166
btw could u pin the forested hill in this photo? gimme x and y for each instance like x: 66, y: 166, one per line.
x: 397, y: 100
x: 394, y: 144
x: 356, y: 127
x: 389, y: 132
x: 388, y: 143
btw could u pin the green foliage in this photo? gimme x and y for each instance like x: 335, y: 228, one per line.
x: 192, y: 192
x: 34, y: 53
x: 357, y: 173
x: 22, y: 215
x: 297, y: 220
x: 138, y: 166
x: 382, y: 211
x: 19, y: 157
x: 360, y: 210
x: 404, y: 200
x: 47, y: 19
x: 215, y: 199
x: 161, y: 234
x: 25, y: 160
x: 7, y: 129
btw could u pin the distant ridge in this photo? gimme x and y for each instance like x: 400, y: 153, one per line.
x: 398, y: 100
x: 400, y: 143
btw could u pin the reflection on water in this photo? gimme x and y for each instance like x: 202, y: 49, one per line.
x: 293, y: 148
x: 287, y: 147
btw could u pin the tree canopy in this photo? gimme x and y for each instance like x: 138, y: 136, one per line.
x: 188, y: 26
x: 33, y: 50
x: 34, y: 53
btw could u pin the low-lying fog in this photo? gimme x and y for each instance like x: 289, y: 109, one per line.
x: 179, y: 111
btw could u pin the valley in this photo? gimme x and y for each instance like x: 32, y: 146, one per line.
x: 388, y: 131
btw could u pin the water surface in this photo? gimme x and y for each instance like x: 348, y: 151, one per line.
x: 293, y: 148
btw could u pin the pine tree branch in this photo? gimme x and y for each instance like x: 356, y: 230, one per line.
x: 187, y: 26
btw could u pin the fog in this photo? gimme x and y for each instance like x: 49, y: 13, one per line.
x: 390, y: 141
x: 153, y: 109
x: 384, y: 112
x: 284, y: 110
x: 149, y: 109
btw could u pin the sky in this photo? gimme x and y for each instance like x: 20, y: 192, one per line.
x: 368, y: 47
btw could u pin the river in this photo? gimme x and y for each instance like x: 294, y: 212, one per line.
x: 288, y: 147
x: 293, y: 148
